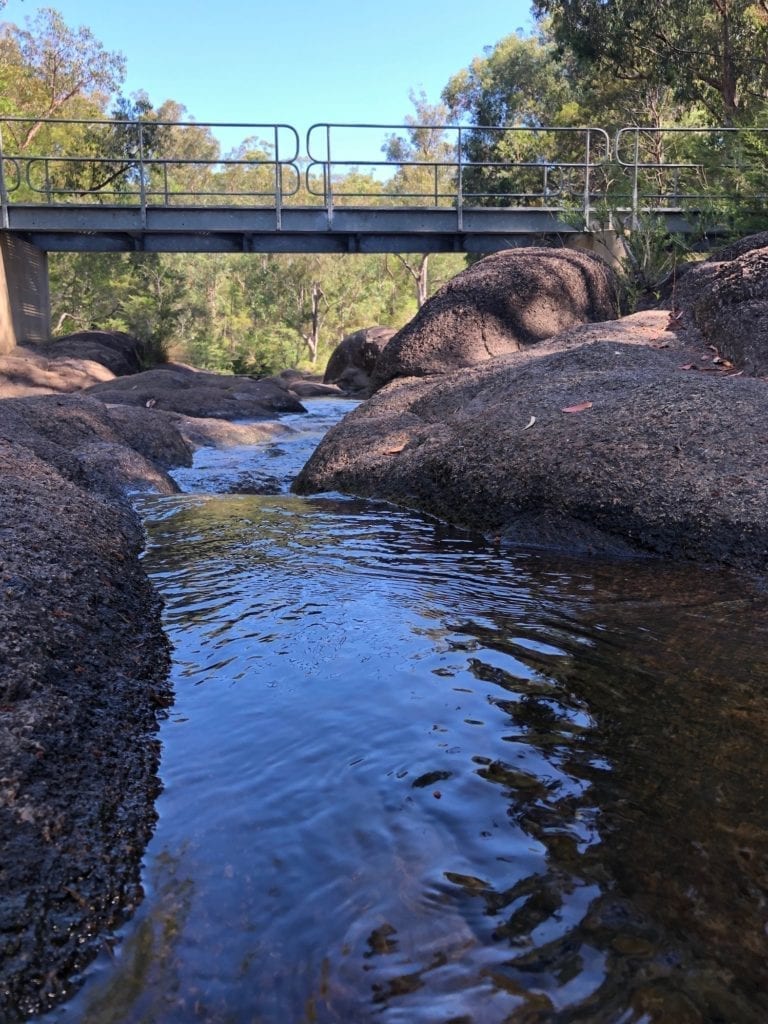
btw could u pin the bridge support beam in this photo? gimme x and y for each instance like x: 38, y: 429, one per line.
x: 25, y: 304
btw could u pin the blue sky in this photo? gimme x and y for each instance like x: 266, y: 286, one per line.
x: 295, y: 61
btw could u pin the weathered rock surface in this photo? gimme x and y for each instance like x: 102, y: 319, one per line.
x: 663, y: 459
x: 305, y: 385
x: 24, y: 371
x: 506, y: 302
x: 726, y: 300
x: 119, y: 352
x: 83, y: 674
x: 354, y: 358
x: 182, y: 389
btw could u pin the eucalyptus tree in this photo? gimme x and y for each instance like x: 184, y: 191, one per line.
x: 50, y: 70
x: 712, y: 53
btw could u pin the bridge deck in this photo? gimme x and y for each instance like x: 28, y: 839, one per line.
x: 102, y: 228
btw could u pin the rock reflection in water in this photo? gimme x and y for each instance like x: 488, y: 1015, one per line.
x: 413, y: 779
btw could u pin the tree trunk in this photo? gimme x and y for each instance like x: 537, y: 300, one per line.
x: 728, y: 73
x: 312, y: 337
x: 420, y: 275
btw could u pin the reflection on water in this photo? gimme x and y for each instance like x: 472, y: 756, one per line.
x: 411, y: 779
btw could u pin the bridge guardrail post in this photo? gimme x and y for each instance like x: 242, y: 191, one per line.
x: 587, y: 179
x: 3, y: 190
x: 636, y: 183
x: 460, y: 186
x: 278, y: 182
x: 327, y: 178
x: 142, y: 181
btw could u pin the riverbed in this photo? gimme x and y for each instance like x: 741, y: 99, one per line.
x: 411, y: 777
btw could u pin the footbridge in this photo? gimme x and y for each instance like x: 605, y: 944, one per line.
x: 151, y: 186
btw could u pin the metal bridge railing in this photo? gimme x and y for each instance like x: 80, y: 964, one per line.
x: 572, y: 171
x: 458, y: 166
x: 145, y: 163
x: 691, y: 168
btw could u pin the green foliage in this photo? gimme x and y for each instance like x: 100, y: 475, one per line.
x: 711, y: 53
x: 651, y: 258
x: 605, y: 63
x: 51, y: 70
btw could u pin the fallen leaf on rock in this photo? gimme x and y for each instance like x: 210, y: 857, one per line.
x: 581, y: 407
x: 530, y: 423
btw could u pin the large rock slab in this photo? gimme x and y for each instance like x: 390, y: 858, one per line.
x: 83, y: 675
x: 119, y: 352
x: 506, y: 302
x: 82, y: 440
x: 656, y: 456
x: 177, y: 388
x: 24, y: 371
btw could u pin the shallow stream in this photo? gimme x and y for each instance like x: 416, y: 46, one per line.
x: 411, y: 778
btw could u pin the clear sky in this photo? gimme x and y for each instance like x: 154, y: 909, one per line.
x: 295, y: 61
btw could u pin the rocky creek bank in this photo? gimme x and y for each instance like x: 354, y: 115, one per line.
x: 512, y: 404
x: 83, y: 658
x: 640, y: 435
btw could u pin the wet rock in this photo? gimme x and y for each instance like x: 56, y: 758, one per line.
x: 506, y: 302
x: 249, y: 483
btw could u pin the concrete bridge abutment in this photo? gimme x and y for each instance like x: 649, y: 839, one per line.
x: 25, y: 303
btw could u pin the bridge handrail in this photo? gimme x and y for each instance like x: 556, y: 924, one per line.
x: 138, y: 162
x: 659, y: 138
x: 575, y: 168
x: 592, y: 139
x: 49, y: 190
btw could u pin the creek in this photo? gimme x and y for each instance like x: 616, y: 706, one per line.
x: 412, y: 778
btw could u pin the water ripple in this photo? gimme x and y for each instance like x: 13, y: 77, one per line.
x: 411, y: 779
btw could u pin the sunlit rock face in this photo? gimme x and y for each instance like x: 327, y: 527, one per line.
x: 607, y: 427
x: 506, y: 302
